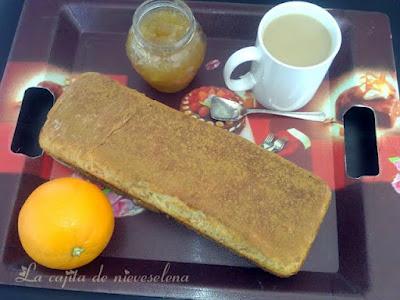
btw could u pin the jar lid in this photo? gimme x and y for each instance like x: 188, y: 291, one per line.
x: 196, y: 104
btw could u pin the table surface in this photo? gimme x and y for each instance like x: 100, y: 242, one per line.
x: 9, y: 15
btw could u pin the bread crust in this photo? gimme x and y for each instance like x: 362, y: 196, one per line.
x: 253, y: 202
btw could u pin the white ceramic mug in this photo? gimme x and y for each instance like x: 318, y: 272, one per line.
x: 277, y: 85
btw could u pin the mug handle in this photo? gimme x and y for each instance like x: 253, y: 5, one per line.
x: 246, y: 81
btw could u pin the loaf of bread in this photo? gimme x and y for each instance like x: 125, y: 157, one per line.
x: 253, y: 202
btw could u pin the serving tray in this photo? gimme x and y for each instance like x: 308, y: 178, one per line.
x: 354, y: 255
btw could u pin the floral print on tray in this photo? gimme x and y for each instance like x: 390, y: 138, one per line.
x: 122, y: 206
x: 396, y: 179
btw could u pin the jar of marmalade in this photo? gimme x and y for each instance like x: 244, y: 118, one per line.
x: 165, y: 44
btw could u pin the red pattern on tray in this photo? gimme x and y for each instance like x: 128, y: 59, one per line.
x: 9, y: 161
x: 325, y: 157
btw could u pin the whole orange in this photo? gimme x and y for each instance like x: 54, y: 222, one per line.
x: 65, y: 223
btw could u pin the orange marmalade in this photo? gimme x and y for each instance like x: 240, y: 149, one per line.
x: 165, y: 44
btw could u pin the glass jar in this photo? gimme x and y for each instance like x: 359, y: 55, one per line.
x: 165, y: 44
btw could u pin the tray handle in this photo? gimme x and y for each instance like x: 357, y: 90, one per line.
x: 36, y: 104
x: 360, y: 142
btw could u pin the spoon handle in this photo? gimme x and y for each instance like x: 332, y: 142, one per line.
x: 317, y: 116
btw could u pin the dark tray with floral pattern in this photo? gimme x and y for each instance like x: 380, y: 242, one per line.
x: 356, y: 252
